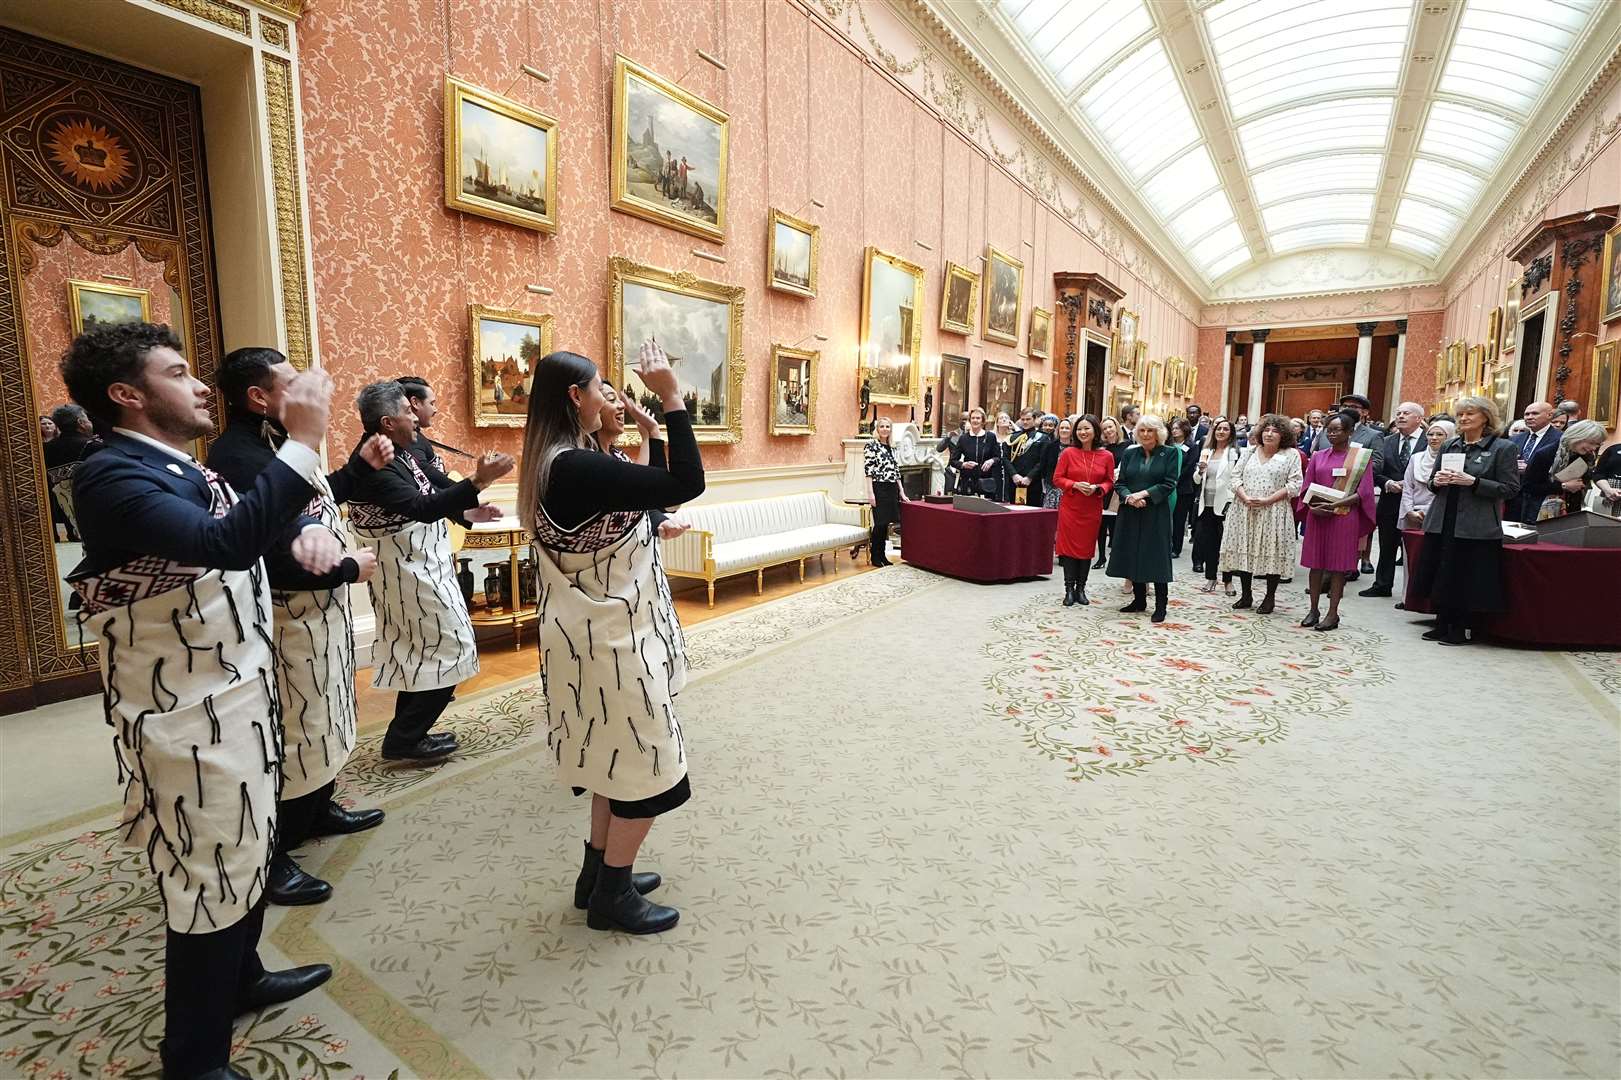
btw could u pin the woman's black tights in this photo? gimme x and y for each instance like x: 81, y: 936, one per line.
x: 1139, y: 596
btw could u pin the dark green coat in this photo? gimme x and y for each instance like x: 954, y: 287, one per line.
x: 1141, y: 550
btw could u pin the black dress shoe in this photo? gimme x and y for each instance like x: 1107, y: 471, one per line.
x: 587, y: 881
x: 1135, y: 606
x: 290, y: 886
x: 1102, y: 561
x: 275, y: 987
x: 1310, y: 620
x: 616, y: 905
x: 223, y: 1072
x: 334, y: 820
x: 444, y: 738
x: 1366, y: 567
x: 1376, y: 590
x: 1158, y: 616
x: 427, y: 749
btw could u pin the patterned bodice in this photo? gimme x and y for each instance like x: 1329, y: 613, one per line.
x: 596, y: 533
x: 364, y: 515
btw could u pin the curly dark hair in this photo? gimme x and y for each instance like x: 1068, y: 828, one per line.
x: 111, y: 354
x: 1286, y: 433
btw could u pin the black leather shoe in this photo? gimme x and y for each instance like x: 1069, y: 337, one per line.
x: 1135, y: 606
x: 224, y: 1072
x: 1376, y: 590
x: 1366, y: 567
x: 644, y: 883
x: 1310, y: 620
x: 334, y: 820
x: 290, y: 886
x: 444, y: 738
x: 425, y: 751
x: 275, y: 987
x: 1158, y: 616
x: 616, y: 905
x: 1102, y: 561
x: 1243, y: 602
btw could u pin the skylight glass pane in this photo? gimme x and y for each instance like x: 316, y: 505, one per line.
x: 1318, y: 236
x: 1506, y: 52
x: 1296, y: 212
x: 1139, y: 110
x: 1337, y: 172
x: 1202, y: 216
x: 1446, y: 184
x: 1468, y: 136
x: 1075, y: 38
x: 1424, y: 218
x: 1180, y: 182
x: 1351, y: 124
x: 1234, y: 258
x: 1421, y: 245
x: 1217, y: 244
x: 1273, y: 52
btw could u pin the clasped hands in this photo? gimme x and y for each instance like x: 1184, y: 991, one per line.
x: 1453, y: 478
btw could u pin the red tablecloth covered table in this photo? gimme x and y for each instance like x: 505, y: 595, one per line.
x: 1558, y: 595
x: 978, y: 547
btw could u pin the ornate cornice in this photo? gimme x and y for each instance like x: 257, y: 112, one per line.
x: 293, y: 9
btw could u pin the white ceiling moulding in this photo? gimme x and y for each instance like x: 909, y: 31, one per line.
x: 1324, y: 273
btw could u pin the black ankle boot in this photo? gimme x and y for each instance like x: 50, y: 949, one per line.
x: 1069, y: 594
x: 616, y: 905
x: 645, y: 883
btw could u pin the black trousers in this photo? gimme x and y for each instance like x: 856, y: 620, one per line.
x: 886, y: 511
x: 1208, y: 528
x: 205, y: 976
x: 414, y: 713
x: 1105, y: 530
x: 296, y: 817
x: 1180, y: 517
x: 1389, y: 540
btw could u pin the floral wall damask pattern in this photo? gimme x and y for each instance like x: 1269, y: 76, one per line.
x: 815, y: 114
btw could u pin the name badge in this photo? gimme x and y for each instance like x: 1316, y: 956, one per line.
x: 177, y: 470
x: 1340, y: 472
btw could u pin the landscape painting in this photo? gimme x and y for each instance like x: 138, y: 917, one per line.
x: 793, y: 251
x: 1041, y: 333
x: 793, y: 391
x: 959, y: 302
x: 891, y: 335
x: 669, y: 153
x: 94, y: 303
x: 699, y: 325
x: 1004, y: 286
x: 500, y: 158
x: 503, y: 347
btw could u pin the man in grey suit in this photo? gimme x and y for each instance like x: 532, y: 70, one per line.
x: 1395, y: 451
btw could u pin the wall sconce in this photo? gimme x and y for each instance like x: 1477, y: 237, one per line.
x: 921, y: 244
x: 715, y: 60
x: 807, y: 337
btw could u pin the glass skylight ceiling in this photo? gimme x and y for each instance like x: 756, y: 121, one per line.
x: 1310, y: 90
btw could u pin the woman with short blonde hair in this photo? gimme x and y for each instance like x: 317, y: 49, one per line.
x: 1142, y: 541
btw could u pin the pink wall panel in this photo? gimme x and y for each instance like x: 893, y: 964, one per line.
x: 1424, y: 339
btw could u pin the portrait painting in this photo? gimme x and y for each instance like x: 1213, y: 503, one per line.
x: 1474, y: 368
x: 1610, y: 291
x: 502, y: 349
x: 1605, y: 385
x: 953, y: 392
x: 1119, y: 398
x: 1036, y: 397
x: 891, y: 333
x: 698, y: 324
x: 959, y: 299
x: 1511, y: 317
x: 669, y: 153
x: 500, y: 158
x: 1494, y: 334
x: 1125, y: 342
x: 95, y: 303
x: 793, y: 250
x: 793, y: 391
x: 1000, y: 389
x: 1041, y: 333
x: 1004, y: 288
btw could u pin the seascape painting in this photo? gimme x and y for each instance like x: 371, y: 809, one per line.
x: 793, y: 252
x: 670, y: 149
x: 500, y: 158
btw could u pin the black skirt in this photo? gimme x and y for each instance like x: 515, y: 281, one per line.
x: 653, y: 805
x: 1458, y: 576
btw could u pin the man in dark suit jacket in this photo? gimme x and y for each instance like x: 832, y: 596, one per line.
x: 171, y: 581
x: 1390, y: 469
x: 1537, y: 445
x: 1200, y: 426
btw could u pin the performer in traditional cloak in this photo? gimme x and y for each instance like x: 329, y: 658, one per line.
x: 612, y: 653
x: 314, y: 628
x: 424, y: 643
x: 175, y: 594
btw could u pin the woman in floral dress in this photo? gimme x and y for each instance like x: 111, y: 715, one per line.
x: 1259, y: 529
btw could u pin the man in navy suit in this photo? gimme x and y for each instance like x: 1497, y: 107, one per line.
x: 172, y: 586
x: 1537, y: 445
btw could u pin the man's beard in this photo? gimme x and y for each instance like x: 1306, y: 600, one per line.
x: 177, y: 423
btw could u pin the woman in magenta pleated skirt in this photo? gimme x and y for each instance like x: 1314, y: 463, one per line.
x: 1334, y: 536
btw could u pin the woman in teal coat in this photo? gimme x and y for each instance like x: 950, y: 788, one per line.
x: 1142, y: 529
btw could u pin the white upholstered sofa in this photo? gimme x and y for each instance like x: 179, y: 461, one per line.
x: 736, y: 537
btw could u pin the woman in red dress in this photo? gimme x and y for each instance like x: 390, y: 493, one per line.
x: 1085, y: 474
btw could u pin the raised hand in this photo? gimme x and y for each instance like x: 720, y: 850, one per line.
x: 672, y: 527
x: 306, y: 408
x: 491, y: 467
x: 484, y: 512
x: 658, y: 376
x: 377, y: 451
x: 366, y: 559
x: 317, y: 549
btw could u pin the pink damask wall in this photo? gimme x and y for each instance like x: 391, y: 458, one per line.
x: 814, y: 114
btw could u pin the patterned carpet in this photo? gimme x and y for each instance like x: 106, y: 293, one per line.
x: 948, y: 830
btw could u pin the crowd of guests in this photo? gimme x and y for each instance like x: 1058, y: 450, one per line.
x: 1328, y: 492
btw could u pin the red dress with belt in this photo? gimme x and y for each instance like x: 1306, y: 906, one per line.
x: 1080, y: 515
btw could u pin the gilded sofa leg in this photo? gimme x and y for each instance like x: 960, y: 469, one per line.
x: 711, y: 592
x: 802, y: 571
x: 759, y: 582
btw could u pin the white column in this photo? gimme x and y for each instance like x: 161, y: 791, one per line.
x: 1257, y: 373
x: 1394, y: 398
x: 1364, y: 357
x: 1226, y: 374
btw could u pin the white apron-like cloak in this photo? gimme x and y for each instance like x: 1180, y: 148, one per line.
x: 612, y: 657
x: 424, y: 636
x: 315, y: 671
x: 190, y: 692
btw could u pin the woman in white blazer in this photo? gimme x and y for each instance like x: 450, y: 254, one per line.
x: 1214, y: 478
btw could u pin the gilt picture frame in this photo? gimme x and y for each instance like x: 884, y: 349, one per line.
x: 959, y: 299
x: 793, y: 390
x: 1004, y: 293
x: 96, y: 303
x: 668, y: 155
x: 1605, y: 385
x: 503, y: 347
x: 500, y: 157
x: 1001, y: 390
x: 891, y: 326
x: 1036, y: 396
x: 1474, y: 373
x: 699, y: 324
x: 1494, y: 333
x: 1126, y: 323
x: 1041, y: 333
x: 793, y: 254
x: 1511, y: 316
x: 1610, y: 289
x: 954, y: 400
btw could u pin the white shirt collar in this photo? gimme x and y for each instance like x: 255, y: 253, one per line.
x: 180, y: 455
